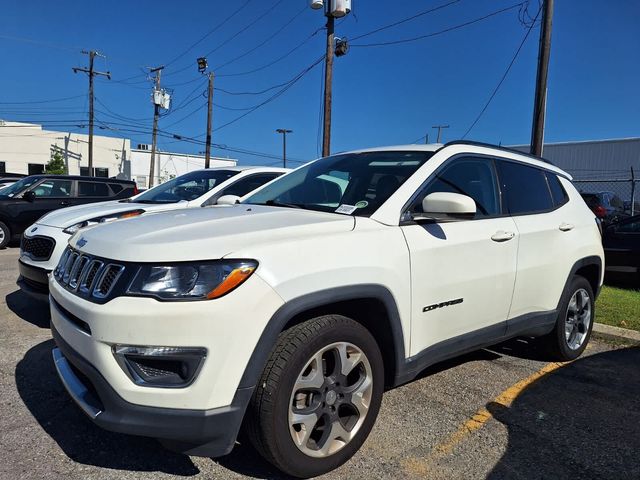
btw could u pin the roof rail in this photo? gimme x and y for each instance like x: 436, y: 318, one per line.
x: 489, y: 145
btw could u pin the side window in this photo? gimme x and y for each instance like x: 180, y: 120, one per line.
x: 558, y: 193
x: 629, y: 227
x: 248, y: 184
x: 53, y: 188
x: 474, y: 177
x: 92, y: 189
x: 116, y: 188
x: 525, y: 188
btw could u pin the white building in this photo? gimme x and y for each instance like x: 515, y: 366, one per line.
x: 168, y: 165
x: 27, y: 148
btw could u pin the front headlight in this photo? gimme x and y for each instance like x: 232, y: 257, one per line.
x: 191, y: 281
x: 98, y: 220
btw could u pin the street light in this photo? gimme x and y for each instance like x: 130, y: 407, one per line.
x: 284, y: 132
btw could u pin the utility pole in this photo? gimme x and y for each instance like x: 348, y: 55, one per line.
x: 207, y: 154
x: 92, y: 73
x: 540, y: 102
x: 328, y: 84
x: 426, y: 139
x: 284, y: 132
x: 156, y: 115
x: 439, y: 127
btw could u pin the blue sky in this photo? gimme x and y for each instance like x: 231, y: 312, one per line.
x: 382, y: 95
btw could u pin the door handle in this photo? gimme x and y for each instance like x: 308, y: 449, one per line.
x: 502, y: 236
x: 565, y: 227
x: 64, y: 203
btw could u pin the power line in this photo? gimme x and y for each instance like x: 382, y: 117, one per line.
x: 404, y: 20
x: 265, y: 41
x: 446, y: 30
x: 504, y: 76
x: 43, y: 101
x: 276, y: 95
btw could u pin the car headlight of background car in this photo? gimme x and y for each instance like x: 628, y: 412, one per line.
x: 105, y: 218
x: 191, y: 281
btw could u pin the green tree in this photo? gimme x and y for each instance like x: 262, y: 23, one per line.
x: 56, y: 164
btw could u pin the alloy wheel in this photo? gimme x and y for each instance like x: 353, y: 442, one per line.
x: 578, y: 319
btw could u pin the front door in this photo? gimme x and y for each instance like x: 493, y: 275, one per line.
x: 462, y: 272
x: 51, y: 194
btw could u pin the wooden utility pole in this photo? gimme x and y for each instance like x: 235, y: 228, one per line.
x: 156, y: 115
x: 439, y: 127
x: 92, y: 54
x: 539, y: 106
x: 328, y: 81
x: 207, y: 153
x: 284, y: 132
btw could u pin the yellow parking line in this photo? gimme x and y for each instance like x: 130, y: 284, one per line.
x: 477, y: 421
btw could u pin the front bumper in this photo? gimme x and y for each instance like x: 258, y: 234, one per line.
x: 34, y: 280
x: 195, y: 432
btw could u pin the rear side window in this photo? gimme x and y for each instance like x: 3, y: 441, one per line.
x: 525, y: 188
x: 92, y: 189
x: 557, y: 190
x: 116, y: 188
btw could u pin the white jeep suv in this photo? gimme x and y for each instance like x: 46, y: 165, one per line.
x: 44, y: 241
x: 292, y: 311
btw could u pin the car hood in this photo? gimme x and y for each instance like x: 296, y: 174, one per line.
x: 65, y: 217
x: 204, y: 233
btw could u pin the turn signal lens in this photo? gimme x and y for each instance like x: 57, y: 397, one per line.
x: 233, y: 280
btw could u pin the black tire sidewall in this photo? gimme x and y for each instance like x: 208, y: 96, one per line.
x: 563, y: 349
x: 7, y: 235
x: 298, y: 463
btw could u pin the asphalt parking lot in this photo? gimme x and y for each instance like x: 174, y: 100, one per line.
x: 498, y: 413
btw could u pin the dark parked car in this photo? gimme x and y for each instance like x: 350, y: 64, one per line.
x: 607, y: 206
x: 25, y: 201
x: 7, y: 179
x: 621, y: 241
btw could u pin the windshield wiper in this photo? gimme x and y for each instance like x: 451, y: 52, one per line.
x: 273, y: 203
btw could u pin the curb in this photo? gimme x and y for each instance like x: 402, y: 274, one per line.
x: 616, y: 333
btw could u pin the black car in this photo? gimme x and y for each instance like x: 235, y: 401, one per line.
x: 607, y: 206
x: 621, y: 241
x: 25, y: 201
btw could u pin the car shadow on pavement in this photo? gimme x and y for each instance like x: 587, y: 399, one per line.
x: 581, y: 421
x: 32, y: 310
x: 81, y: 440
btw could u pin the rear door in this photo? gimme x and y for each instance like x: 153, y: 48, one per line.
x: 89, y: 192
x: 462, y: 272
x: 544, y: 220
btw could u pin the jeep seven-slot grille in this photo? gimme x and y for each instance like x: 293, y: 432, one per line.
x: 79, y: 272
x: 38, y: 248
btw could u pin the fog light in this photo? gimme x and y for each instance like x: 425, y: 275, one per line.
x: 167, y: 367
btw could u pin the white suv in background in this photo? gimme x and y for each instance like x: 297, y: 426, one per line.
x: 293, y: 310
x: 44, y: 241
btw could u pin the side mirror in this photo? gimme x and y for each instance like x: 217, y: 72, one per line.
x: 228, y: 200
x: 448, y: 206
x: 29, y: 196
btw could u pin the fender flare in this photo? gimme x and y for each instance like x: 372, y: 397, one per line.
x: 321, y: 298
x: 592, y: 260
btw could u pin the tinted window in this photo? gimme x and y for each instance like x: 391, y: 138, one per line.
x: 186, y: 187
x: 473, y: 177
x: 53, y: 188
x: 525, y: 188
x: 351, y: 184
x: 249, y: 184
x: 2, y: 167
x: 557, y: 190
x: 92, y: 189
x: 36, y: 168
x: 116, y: 187
x: 632, y: 226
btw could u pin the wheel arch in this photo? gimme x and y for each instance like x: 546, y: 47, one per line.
x: 591, y: 269
x: 371, y: 305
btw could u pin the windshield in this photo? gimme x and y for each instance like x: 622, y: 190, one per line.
x: 351, y: 184
x: 17, y: 187
x: 185, y: 187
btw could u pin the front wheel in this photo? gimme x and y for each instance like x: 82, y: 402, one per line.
x: 575, y: 320
x: 318, y: 397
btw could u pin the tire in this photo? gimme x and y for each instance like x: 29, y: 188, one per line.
x: 304, y: 356
x: 576, y: 315
x: 5, y: 235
